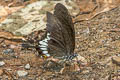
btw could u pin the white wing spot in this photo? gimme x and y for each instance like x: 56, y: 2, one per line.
x: 45, y: 52
x: 43, y: 45
x: 44, y: 48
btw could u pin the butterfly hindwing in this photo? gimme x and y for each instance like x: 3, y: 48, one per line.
x: 56, y: 45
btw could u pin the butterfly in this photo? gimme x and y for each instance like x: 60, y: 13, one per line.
x: 60, y: 35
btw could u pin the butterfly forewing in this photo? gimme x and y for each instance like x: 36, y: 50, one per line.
x: 64, y: 17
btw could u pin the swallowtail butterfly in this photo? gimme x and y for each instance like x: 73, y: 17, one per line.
x: 60, y: 38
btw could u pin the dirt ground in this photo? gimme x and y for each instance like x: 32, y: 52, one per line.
x: 97, y: 40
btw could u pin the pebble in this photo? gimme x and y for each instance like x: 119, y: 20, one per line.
x: 22, y: 73
x: 7, y: 51
x: 2, y: 63
x: 118, y: 55
x: 27, y: 66
x: 13, y: 46
x: 116, y: 60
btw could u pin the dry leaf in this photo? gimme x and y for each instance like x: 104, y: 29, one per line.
x: 89, y: 8
x: 10, y: 36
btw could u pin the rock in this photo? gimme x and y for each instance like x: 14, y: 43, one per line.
x: 1, y: 72
x: 22, y: 73
x: 2, y: 63
x: 27, y: 66
x: 116, y: 60
x: 8, y: 69
x: 13, y: 46
x: 8, y: 51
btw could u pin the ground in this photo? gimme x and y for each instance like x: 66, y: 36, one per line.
x: 97, y: 40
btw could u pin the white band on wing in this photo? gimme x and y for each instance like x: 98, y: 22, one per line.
x: 44, y: 44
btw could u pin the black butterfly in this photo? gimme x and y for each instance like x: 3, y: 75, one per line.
x: 60, y: 39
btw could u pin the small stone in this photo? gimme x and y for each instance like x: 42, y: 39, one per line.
x: 13, y: 46
x: 8, y: 69
x: 7, y: 51
x: 27, y: 66
x: 116, y: 60
x: 1, y: 72
x: 2, y: 63
x: 118, y: 55
x: 22, y: 73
